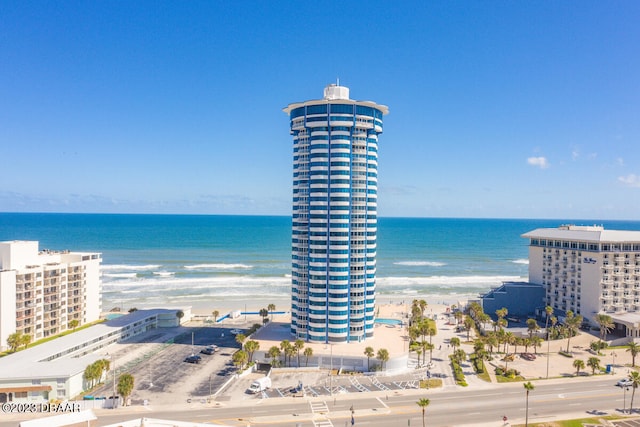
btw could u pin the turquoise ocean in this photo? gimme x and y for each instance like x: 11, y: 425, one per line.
x: 215, y: 260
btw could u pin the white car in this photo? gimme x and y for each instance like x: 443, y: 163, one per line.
x: 626, y: 382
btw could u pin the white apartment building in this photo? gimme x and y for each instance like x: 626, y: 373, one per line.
x: 41, y: 291
x: 589, y: 270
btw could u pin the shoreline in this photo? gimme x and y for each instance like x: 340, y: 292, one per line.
x: 205, y: 308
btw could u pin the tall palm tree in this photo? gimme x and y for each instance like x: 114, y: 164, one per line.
x: 572, y: 322
x: 528, y: 387
x: 455, y: 343
x: 308, y: 352
x: 606, y: 325
x: 431, y: 331
x: 532, y: 327
x: 298, y: 345
x: 501, y: 313
x: 633, y: 348
x: 285, y: 346
x: 215, y: 314
x: 549, y: 312
x: 578, y: 364
x: 383, y: 356
x: 274, y: 352
x: 423, y: 403
x: 251, y: 347
x: 370, y: 353
x: 634, y: 376
x: 264, y: 313
x: 271, y: 308
x: 468, y: 323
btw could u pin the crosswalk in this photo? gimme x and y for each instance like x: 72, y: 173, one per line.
x: 321, y: 409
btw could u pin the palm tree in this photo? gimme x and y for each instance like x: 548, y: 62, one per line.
x: 298, y: 345
x: 383, y: 356
x: 125, y: 386
x: 240, y: 339
x: 501, y: 313
x: 455, y: 343
x: 468, y: 324
x: 308, y: 352
x: 271, y: 308
x: 578, y: 364
x: 549, y: 312
x: 431, y: 331
x: 15, y: 341
x: 239, y: 358
x: 264, y: 313
x: 634, y: 348
x: 423, y: 403
x: 369, y: 353
x: 460, y: 355
x: 528, y: 387
x: 417, y: 347
x: 25, y: 340
x: 572, y: 322
x: 274, y: 352
x: 634, y: 376
x: 532, y: 327
x: 593, y: 363
x: 606, y: 325
x: 285, y: 345
x: 251, y: 347
x: 215, y: 314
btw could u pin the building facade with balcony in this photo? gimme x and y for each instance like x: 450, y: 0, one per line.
x: 42, y: 291
x: 589, y: 270
x: 335, y: 185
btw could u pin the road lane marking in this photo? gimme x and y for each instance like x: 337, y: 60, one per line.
x: 383, y: 404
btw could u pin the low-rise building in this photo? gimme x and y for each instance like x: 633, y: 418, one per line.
x: 55, y: 369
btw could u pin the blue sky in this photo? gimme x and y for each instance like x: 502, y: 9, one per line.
x: 497, y: 109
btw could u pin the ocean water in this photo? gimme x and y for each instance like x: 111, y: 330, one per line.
x: 201, y: 260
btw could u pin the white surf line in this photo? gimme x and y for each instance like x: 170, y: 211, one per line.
x: 383, y: 404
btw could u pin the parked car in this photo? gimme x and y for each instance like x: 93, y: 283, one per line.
x: 528, y: 356
x: 625, y: 382
x: 208, y: 350
x: 194, y: 358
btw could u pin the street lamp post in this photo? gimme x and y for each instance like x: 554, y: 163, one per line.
x: 113, y: 363
x: 331, y: 372
x: 613, y: 356
x: 548, y: 344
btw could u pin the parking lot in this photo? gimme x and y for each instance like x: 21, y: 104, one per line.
x: 162, y: 376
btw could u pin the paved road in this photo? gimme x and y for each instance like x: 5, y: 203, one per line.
x: 550, y: 400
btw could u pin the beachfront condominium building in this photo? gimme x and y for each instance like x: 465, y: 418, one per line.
x: 41, y: 292
x: 335, y: 186
x: 590, y: 271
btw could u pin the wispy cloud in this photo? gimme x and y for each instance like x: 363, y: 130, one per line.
x: 631, y: 180
x: 540, y: 162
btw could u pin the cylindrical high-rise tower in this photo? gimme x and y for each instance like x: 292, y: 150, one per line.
x: 335, y: 186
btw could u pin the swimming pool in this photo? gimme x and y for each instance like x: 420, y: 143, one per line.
x: 389, y: 321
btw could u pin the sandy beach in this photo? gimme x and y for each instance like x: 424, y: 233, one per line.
x: 387, y: 305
